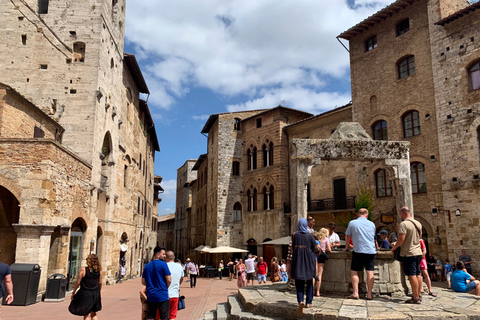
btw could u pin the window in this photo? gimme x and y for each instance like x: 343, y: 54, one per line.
x: 380, y: 130
x: 371, y: 43
x: 236, y: 124
x: 125, y: 172
x: 236, y: 168
x: 42, y: 6
x: 406, y: 67
x: 411, y: 124
x: 237, y: 212
x: 38, y: 132
x: 252, y: 200
x: 270, y: 154
x: 417, y: 175
x: 265, y: 155
x: 271, y: 198
x: 249, y: 160
x: 474, y: 74
x: 403, y: 26
x: 383, y: 183
x: 79, y: 52
x: 252, y: 159
x: 259, y: 122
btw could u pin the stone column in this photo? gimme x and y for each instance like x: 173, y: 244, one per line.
x: 299, y: 169
x: 33, y: 246
x: 402, y: 183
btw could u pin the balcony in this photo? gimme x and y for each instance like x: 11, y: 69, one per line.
x: 340, y: 203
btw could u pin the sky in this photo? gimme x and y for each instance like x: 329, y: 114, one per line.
x: 213, y: 56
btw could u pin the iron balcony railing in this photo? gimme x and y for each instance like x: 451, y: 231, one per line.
x: 339, y: 203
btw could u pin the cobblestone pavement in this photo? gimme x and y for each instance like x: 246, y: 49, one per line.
x: 276, y: 301
x: 122, y: 301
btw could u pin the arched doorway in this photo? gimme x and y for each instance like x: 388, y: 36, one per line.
x: 252, y: 246
x: 75, y: 253
x: 9, y: 214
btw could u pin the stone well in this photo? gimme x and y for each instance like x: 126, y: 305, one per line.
x: 387, y: 273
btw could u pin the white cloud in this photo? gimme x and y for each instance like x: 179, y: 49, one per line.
x: 170, y: 187
x: 263, y: 49
x: 203, y: 117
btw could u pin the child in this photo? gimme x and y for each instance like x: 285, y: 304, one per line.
x: 448, y: 273
x: 462, y: 281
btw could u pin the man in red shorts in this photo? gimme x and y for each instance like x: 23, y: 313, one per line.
x: 174, y: 288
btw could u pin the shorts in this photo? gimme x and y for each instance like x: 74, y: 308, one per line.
x: 162, y: 307
x: 423, y: 265
x: 173, y: 308
x: 321, y: 258
x: 411, y: 265
x: 251, y: 276
x: 470, y: 286
x: 363, y: 260
x: 449, y: 276
x: 262, y: 277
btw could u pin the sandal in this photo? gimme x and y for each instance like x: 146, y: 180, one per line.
x: 353, y: 297
x: 413, y: 301
x: 433, y: 294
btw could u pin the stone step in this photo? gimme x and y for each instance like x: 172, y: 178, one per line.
x: 223, y: 312
x: 237, y: 312
x: 211, y: 315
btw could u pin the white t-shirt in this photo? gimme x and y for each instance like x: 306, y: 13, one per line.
x: 250, y: 264
x: 333, y: 238
x: 176, y: 274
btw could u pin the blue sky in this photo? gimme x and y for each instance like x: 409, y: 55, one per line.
x: 204, y: 57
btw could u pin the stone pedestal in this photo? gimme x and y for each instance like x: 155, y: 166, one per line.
x: 33, y: 246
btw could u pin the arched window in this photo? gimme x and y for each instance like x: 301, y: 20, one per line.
x: 383, y: 183
x: 411, y: 124
x: 403, y: 26
x: 474, y: 75
x: 237, y: 212
x: 406, y: 67
x: 270, y: 154
x: 254, y: 204
x: 271, y: 198
x: 254, y: 158
x: 380, y: 130
x: 249, y: 201
x: 265, y: 155
x: 249, y: 160
x: 266, y: 201
x: 417, y: 175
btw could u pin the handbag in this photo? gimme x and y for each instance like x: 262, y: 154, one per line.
x: 324, y: 255
x: 181, y: 302
x: 277, y: 278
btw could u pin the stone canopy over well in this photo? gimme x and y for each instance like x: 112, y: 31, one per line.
x: 349, y: 142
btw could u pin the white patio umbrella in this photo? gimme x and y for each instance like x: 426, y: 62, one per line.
x: 224, y: 249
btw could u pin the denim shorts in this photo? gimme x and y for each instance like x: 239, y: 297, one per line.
x: 262, y: 277
x: 470, y: 286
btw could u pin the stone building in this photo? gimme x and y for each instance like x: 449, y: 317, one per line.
x: 67, y: 59
x: 412, y: 71
x: 166, y: 228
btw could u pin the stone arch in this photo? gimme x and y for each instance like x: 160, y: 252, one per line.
x: 252, y: 246
x: 267, y: 179
x: 405, y: 109
x: 9, y: 215
x: 77, y: 232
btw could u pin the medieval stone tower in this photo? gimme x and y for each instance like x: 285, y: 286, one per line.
x: 67, y: 58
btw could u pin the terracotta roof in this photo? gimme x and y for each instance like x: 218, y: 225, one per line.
x: 459, y: 14
x: 132, y: 65
x: 378, y: 17
x: 166, y: 217
x: 150, y: 125
x: 348, y: 105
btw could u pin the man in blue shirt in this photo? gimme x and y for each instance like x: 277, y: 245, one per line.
x: 156, y: 277
x: 384, y: 244
x: 460, y: 278
x: 362, y: 232
x: 6, y: 274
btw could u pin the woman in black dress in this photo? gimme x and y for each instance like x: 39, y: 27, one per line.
x: 304, y: 260
x: 86, y: 302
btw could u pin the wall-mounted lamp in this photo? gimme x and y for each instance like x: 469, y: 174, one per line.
x: 458, y: 213
x: 438, y: 241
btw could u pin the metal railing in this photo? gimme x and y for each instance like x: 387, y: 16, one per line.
x: 339, y: 203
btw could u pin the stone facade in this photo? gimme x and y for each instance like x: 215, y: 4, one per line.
x: 185, y: 177
x: 166, y: 228
x: 67, y: 58
x: 455, y: 48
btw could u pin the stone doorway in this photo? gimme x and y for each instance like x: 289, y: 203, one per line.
x: 9, y: 214
x: 75, y: 253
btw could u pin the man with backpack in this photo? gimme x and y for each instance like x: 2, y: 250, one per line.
x: 262, y: 270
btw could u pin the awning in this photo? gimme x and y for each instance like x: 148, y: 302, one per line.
x: 279, y: 241
x: 224, y: 249
x: 123, y: 247
x: 201, y: 248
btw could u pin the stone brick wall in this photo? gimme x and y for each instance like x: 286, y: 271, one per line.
x: 455, y: 46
